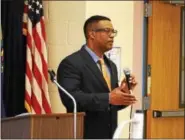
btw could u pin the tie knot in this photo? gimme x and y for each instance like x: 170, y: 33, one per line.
x: 101, y: 61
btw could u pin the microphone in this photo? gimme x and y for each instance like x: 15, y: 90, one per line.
x: 52, y: 75
x: 127, y: 76
x: 53, y: 79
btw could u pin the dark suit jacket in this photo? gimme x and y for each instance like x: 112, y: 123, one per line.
x: 80, y: 76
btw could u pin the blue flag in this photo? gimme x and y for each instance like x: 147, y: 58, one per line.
x: 2, y: 70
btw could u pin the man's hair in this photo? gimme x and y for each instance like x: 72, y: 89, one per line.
x: 91, y: 20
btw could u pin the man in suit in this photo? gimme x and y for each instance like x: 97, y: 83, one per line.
x: 83, y: 75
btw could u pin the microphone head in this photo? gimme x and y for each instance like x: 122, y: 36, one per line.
x: 127, y: 76
x: 52, y: 74
x: 126, y: 71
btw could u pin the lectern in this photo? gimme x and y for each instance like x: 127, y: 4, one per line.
x: 47, y: 126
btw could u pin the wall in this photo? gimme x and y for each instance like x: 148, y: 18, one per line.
x: 64, y: 24
x: 64, y: 20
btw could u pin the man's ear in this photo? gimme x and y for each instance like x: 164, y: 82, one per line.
x: 91, y: 34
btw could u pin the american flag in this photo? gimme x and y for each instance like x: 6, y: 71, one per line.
x: 37, y: 99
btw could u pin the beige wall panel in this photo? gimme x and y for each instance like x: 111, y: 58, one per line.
x: 57, y: 32
x: 66, y: 10
x: 137, y: 50
x: 56, y: 105
x: 64, y: 30
x: 75, y: 36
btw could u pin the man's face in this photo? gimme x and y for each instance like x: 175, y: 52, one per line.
x: 104, y: 35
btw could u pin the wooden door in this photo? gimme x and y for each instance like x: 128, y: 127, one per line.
x: 163, y: 56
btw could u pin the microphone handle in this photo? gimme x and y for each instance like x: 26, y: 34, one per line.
x: 52, y: 75
x: 127, y: 80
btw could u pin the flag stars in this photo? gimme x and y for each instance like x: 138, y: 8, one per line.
x: 29, y: 7
x: 37, y: 11
x: 37, y: 3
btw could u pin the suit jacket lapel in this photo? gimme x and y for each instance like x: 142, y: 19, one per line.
x: 93, y: 67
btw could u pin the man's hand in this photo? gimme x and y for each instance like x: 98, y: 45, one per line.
x: 124, y: 85
x: 118, y: 97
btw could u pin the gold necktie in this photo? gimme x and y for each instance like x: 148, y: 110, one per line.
x: 105, y: 73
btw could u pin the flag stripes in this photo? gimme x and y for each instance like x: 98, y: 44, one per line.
x: 36, y: 94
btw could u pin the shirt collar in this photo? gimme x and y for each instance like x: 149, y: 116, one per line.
x: 92, y: 54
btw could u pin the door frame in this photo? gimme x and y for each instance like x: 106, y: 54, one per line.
x: 145, y: 68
